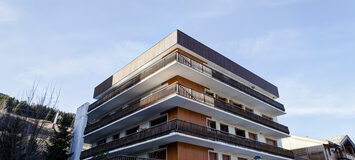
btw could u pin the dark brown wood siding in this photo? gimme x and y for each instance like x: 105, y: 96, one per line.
x: 103, y: 86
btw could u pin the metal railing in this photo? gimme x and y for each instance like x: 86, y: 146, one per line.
x: 125, y: 157
x: 187, y: 92
x: 188, y: 129
x: 132, y: 107
x: 225, y: 79
x: 136, y: 79
x: 181, y: 58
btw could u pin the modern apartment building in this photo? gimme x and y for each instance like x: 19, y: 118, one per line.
x: 333, y: 148
x: 181, y: 100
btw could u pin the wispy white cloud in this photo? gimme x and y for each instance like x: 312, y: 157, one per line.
x: 274, y: 45
x: 97, y: 63
x: 7, y: 13
x: 302, y: 98
x: 219, y: 8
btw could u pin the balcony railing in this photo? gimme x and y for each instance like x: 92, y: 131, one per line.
x: 133, y: 107
x: 225, y: 79
x: 189, y: 129
x: 187, y: 92
x: 124, y: 157
x: 136, y: 79
x: 176, y: 56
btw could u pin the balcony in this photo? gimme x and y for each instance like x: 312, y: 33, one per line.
x: 183, y: 96
x: 179, y: 64
x: 125, y: 157
x: 182, y: 131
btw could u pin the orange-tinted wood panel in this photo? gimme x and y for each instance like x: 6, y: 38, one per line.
x: 171, y: 151
x: 186, y: 82
x: 185, y: 151
x: 187, y: 115
x: 193, y: 152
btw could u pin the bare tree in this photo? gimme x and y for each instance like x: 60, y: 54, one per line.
x: 25, y: 136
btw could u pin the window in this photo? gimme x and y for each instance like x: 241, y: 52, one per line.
x: 224, y: 128
x: 221, y: 98
x: 239, y: 158
x: 132, y: 130
x: 249, y: 110
x: 210, y: 93
x: 239, y: 132
x: 213, y: 156
x: 158, y: 121
x: 226, y: 157
x: 253, y: 136
x: 101, y: 142
x: 116, y: 136
x: 236, y: 104
x: 211, y: 124
x: 159, y: 154
x: 271, y: 142
x: 267, y: 117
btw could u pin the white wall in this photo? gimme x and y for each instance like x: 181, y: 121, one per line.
x: 295, y: 142
x: 77, y: 141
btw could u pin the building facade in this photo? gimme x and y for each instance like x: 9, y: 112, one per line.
x: 334, y: 148
x: 181, y: 100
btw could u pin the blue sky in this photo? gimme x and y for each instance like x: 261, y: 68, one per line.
x: 305, y: 47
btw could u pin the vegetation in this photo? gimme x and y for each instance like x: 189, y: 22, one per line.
x: 25, y: 127
x: 22, y: 108
x: 59, y: 143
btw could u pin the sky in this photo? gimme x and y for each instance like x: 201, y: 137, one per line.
x: 305, y: 47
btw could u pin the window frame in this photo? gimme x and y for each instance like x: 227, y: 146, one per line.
x: 256, y: 136
x: 235, y: 129
x: 164, y: 115
x: 220, y: 127
x: 132, y: 129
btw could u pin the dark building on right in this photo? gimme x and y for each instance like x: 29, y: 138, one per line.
x: 333, y: 148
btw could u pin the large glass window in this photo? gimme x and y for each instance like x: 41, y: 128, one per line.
x: 158, y: 154
x: 132, y: 130
x: 116, y: 136
x: 211, y: 124
x: 158, y: 121
x: 224, y: 128
x: 239, y: 132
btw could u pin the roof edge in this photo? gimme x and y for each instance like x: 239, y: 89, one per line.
x: 217, y: 58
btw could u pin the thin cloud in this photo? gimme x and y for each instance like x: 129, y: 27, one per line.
x: 302, y: 99
x: 96, y: 63
x: 7, y: 13
x: 273, y: 45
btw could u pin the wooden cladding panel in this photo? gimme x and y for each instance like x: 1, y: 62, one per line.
x: 187, y: 115
x: 185, y: 151
x: 186, y: 82
x: 103, y: 86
